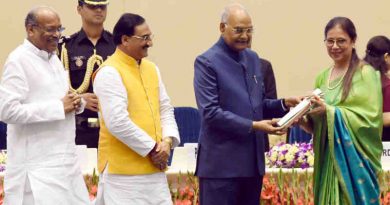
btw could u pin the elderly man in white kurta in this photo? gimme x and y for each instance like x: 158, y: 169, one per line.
x: 39, y: 110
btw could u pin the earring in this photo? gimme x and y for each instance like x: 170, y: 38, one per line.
x: 386, y: 58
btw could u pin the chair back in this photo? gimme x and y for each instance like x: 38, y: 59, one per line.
x: 298, y: 135
x: 188, y: 122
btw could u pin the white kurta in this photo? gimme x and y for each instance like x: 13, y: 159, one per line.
x: 125, y: 189
x: 40, y: 137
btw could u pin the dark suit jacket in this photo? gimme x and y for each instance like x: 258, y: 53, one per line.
x: 269, y: 79
x: 230, y: 96
x: 270, y: 88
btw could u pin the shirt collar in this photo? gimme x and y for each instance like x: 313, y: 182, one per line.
x: 83, y: 36
x: 127, y: 59
x: 236, y: 55
x: 106, y: 36
x: 41, y: 53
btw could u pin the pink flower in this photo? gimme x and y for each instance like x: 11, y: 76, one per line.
x: 93, y: 190
x: 183, y: 202
x: 386, y: 199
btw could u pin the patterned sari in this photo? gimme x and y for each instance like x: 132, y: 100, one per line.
x: 347, y: 141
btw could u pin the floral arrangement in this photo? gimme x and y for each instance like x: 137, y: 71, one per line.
x: 385, y: 188
x: 280, y: 188
x: 92, y: 184
x: 185, y: 189
x: 3, y: 159
x: 295, y: 155
x: 287, y: 188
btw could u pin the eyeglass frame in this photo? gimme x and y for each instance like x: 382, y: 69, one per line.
x: 240, y: 30
x: 50, y: 30
x: 144, y: 38
x: 340, y: 42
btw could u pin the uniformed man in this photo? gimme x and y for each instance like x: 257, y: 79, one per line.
x: 81, y: 54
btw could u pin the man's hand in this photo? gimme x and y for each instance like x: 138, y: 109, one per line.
x: 152, y: 153
x: 161, y: 154
x: 71, y: 102
x: 92, y: 101
x: 268, y: 126
x: 292, y: 101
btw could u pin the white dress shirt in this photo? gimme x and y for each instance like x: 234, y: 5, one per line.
x: 127, y: 189
x: 40, y: 136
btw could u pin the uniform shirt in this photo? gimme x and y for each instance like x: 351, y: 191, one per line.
x: 80, y: 48
x: 40, y: 136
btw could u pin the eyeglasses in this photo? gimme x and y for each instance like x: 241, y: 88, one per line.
x: 339, y: 42
x: 144, y: 38
x: 51, y: 30
x: 240, y: 30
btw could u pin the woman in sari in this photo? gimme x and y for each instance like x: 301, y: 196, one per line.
x: 346, y: 124
x: 378, y: 55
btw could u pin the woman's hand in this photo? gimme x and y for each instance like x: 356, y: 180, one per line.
x: 319, y: 106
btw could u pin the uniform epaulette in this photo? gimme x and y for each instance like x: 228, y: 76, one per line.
x: 63, y: 39
x: 108, y: 32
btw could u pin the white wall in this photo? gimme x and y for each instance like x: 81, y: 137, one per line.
x: 288, y: 33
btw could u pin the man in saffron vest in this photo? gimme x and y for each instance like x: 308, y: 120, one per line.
x: 137, y: 124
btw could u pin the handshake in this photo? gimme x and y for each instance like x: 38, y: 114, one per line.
x: 160, y: 153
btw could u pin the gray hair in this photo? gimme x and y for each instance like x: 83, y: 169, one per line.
x: 31, y: 18
x: 228, y: 10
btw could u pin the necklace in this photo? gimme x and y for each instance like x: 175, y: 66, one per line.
x: 339, y: 82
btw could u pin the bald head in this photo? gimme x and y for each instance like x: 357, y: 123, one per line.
x: 36, y: 13
x: 233, y: 9
x: 43, y: 27
x: 236, y: 27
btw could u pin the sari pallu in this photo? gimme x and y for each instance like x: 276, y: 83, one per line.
x: 347, y: 141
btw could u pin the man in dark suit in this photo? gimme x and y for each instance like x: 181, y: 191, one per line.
x: 269, y: 79
x: 269, y: 89
x: 230, y: 96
